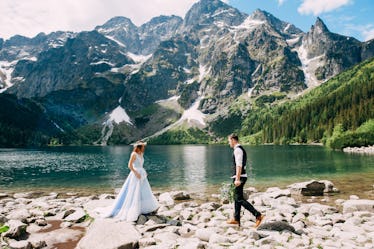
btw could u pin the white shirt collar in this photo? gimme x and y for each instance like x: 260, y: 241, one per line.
x: 236, y: 146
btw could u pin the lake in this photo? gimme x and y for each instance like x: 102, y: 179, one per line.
x: 200, y: 168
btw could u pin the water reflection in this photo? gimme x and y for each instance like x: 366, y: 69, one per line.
x: 195, y: 162
x: 194, y: 167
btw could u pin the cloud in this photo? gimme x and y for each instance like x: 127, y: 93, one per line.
x: 365, y: 31
x: 31, y: 17
x: 368, y: 34
x: 280, y: 2
x: 317, y: 7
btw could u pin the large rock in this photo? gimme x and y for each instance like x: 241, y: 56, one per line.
x: 19, y: 214
x: 17, y: 229
x: 204, y: 234
x: 358, y: 205
x: 22, y: 244
x: 110, y: 234
x: 54, y: 237
x: 180, y: 195
x: 166, y: 199
x: 77, y: 216
x: 277, y: 226
x: 311, y: 188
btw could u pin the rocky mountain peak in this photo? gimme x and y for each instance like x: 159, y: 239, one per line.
x: 17, y: 40
x: 117, y: 22
x: 319, y: 27
x: 161, y: 26
x: 158, y: 29
x: 281, y: 26
x: 261, y: 15
x: 123, y: 31
x: 162, y: 19
x: 206, y: 12
x: 337, y: 52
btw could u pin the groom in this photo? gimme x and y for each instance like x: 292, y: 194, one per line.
x: 239, y: 176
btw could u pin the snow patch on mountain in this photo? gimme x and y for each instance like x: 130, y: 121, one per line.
x: 115, y: 40
x: 222, y: 12
x: 102, y: 62
x: 202, y: 72
x: 250, y: 91
x: 139, y: 58
x: 240, y: 31
x: 309, y: 66
x: 287, y: 27
x: 189, y: 81
x: 193, y: 115
x: 293, y: 41
x: 119, y: 115
x: 250, y: 24
x: 6, y: 70
x: 173, y: 98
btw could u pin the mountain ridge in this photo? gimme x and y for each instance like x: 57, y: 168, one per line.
x: 212, y: 60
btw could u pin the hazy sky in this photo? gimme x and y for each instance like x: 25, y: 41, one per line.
x: 30, y: 17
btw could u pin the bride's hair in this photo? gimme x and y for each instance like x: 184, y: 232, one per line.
x: 139, y: 146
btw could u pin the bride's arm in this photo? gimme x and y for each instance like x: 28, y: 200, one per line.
x: 131, y: 167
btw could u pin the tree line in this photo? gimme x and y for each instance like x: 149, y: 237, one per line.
x: 345, y: 102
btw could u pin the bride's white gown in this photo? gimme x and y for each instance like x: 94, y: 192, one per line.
x: 135, y: 197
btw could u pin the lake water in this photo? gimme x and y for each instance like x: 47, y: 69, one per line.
x: 200, y: 168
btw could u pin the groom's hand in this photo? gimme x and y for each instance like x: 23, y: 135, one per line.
x: 237, y: 183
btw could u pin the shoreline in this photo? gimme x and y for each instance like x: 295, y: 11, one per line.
x: 360, y: 150
x: 293, y: 220
x: 348, y: 184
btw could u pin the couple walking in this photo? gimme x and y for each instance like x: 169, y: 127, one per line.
x: 136, y: 197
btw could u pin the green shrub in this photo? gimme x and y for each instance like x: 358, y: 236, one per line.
x: 4, y: 229
x: 182, y: 136
x: 363, y: 136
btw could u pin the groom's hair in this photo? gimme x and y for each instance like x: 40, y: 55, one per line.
x: 234, y: 136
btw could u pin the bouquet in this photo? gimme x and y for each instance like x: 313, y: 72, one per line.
x: 227, y: 192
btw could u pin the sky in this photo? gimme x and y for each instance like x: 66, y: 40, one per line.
x: 30, y: 17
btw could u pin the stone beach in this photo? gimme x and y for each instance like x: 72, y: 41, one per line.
x: 298, y: 216
x: 360, y: 150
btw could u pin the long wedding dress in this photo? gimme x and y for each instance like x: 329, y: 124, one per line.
x: 135, y: 197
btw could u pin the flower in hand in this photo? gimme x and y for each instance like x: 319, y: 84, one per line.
x: 227, y: 192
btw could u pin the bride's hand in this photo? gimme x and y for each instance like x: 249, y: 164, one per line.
x: 137, y: 175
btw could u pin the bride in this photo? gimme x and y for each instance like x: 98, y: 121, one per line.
x: 136, y: 196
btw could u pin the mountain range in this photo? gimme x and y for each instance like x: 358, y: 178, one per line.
x: 121, y: 82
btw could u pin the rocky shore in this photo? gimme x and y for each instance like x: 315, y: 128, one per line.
x: 361, y: 150
x: 36, y: 220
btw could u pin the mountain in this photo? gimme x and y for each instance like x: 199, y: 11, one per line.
x: 141, y: 40
x: 155, y: 31
x: 123, y: 31
x: 343, y: 103
x: 73, y: 65
x: 19, y: 48
x: 337, y: 52
x: 207, y: 13
x: 205, y: 72
x: 24, y: 123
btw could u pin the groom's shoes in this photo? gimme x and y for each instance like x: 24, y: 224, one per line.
x: 259, y: 220
x: 233, y: 222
